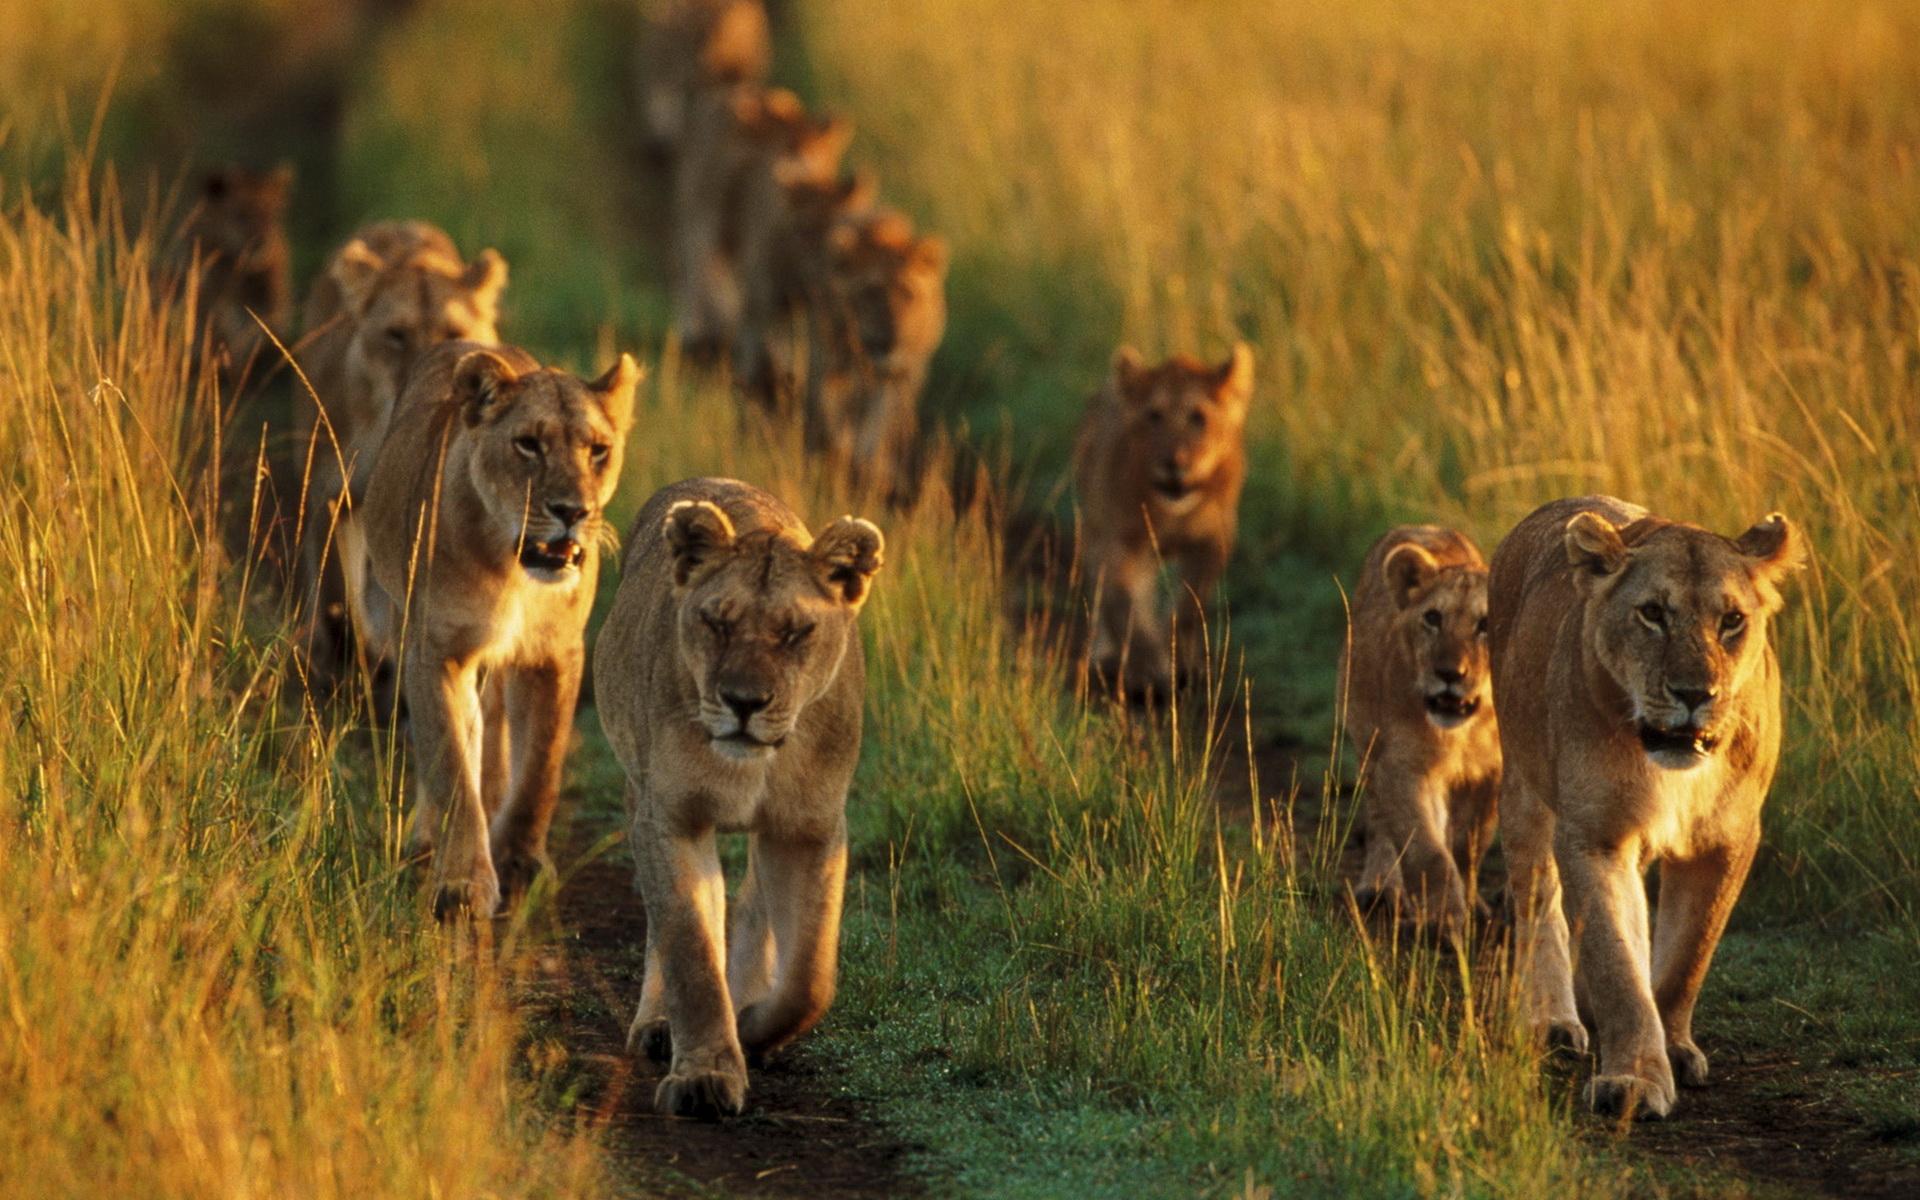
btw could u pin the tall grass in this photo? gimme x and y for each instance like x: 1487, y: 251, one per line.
x: 216, y: 984
x: 1491, y: 254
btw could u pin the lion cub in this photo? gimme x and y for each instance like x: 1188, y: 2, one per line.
x: 1640, y: 724
x: 392, y: 293
x: 729, y: 679
x: 1418, y: 702
x: 1159, y: 462
x: 482, y: 519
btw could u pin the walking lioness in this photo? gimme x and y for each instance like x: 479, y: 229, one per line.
x: 482, y: 519
x: 1418, y: 702
x: 1640, y: 723
x: 729, y: 678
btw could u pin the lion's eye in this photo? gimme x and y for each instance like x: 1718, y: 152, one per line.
x: 1480, y: 627
x: 598, y: 454
x: 1197, y: 420
x: 1732, y: 622
x: 397, y: 337
x: 1155, y: 416
x: 720, y: 626
x: 529, y: 447
x: 796, y: 635
x: 452, y: 333
x: 1653, y: 613
x: 1431, y: 617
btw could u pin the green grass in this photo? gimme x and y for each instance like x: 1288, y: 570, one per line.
x: 1456, y: 237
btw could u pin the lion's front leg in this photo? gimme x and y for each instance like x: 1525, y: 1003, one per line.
x: 1541, y: 937
x: 1129, y: 641
x: 685, y: 894
x: 1407, y: 822
x: 1202, y: 566
x: 538, y: 702
x: 1607, y: 903
x: 443, y: 703
x: 1696, y: 898
x: 801, y: 883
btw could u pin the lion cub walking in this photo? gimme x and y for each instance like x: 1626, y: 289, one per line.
x: 729, y: 678
x: 1159, y: 463
x: 1640, y: 723
x: 1418, y: 701
x: 483, y: 525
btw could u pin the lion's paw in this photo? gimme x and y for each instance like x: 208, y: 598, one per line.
x: 477, y: 898
x: 653, y: 1039
x: 1689, y: 1065
x: 1566, y: 1034
x: 1617, y: 1095
x: 704, y: 1095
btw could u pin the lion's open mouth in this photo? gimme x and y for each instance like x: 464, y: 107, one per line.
x: 1687, y: 740
x: 1173, y: 489
x: 1457, y: 708
x: 557, y: 555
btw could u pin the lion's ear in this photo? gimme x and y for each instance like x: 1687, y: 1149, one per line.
x: 1233, y: 382
x: 355, y: 269
x: 486, y: 278
x: 1593, y: 544
x: 1775, y: 544
x: 616, y: 388
x: 930, y: 255
x: 847, y: 553
x: 827, y: 142
x: 1129, y: 370
x: 276, y: 185
x: 858, y: 193
x: 697, y: 532
x: 1407, y: 569
x: 480, y: 381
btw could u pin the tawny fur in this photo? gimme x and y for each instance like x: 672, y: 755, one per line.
x: 1416, y: 693
x: 729, y: 678
x: 1639, y: 725
x: 1159, y: 463
x: 489, y: 461
x: 394, y: 291
x: 236, y: 237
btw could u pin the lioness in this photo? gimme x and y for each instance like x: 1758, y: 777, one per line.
x: 875, y: 332
x: 729, y: 679
x: 236, y: 236
x: 393, y: 292
x: 1418, y: 702
x: 689, y: 45
x: 482, y: 519
x: 744, y: 146
x: 1158, y: 463
x: 793, y: 280
x: 1640, y: 723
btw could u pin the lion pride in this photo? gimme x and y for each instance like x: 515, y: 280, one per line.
x: 1640, y: 724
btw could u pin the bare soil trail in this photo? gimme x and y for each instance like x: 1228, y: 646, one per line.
x: 801, y: 1135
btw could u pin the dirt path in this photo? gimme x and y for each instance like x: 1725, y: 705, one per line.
x: 801, y: 1136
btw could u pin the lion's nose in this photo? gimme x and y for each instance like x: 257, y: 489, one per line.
x: 568, y: 513
x: 1692, y: 698
x: 745, y: 704
x: 1450, y: 674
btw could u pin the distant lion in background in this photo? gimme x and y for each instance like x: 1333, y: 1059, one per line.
x: 388, y: 296
x: 1158, y: 465
x: 690, y: 45
x: 236, y: 235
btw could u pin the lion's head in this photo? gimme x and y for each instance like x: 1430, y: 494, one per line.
x: 890, y: 289
x: 1441, y: 628
x: 543, y: 452
x: 238, y: 219
x: 799, y: 146
x: 764, y: 622
x: 1677, y: 617
x: 1182, y: 418
x: 401, y: 303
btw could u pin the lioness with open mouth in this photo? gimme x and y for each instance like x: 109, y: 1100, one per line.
x: 1640, y: 724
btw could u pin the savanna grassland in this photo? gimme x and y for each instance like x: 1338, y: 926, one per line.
x: 1487, y: 254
